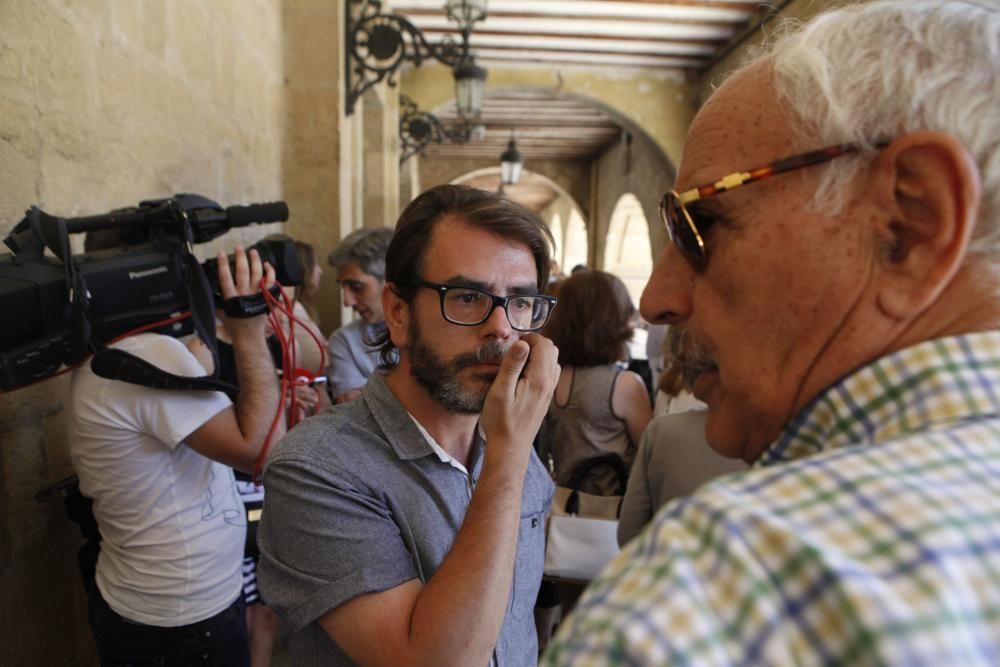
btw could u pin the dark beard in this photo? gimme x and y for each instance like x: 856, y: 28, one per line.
x: 442, y: 380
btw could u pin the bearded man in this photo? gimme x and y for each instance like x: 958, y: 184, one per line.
x: 408, y: 526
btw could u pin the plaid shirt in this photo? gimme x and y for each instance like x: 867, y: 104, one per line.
x: 868, y: 534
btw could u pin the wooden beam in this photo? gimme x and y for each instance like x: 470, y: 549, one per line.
x: 616, y: 59
x: 601, y: 42
x: 654, y: 9
x: 580, y: 27
x: 732, y: 21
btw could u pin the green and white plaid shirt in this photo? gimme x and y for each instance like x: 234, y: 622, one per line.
x: 868, y: 534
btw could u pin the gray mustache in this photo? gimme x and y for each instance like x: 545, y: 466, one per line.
x: 688, y: 354
x: 490, y: 353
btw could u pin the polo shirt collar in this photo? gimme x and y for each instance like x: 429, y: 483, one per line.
x: 399, y: 428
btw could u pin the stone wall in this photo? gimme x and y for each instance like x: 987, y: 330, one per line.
x: 321, y: 143
x: 105, y: 103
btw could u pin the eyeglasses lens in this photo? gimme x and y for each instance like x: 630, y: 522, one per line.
x: 470, y: 306
x: 466, y: 306
x: 681, y: 229
x: 527, y: 313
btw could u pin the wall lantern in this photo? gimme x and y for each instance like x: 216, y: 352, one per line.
x: 510, y: 164
x: 470, y: 84
x: 377, y: 44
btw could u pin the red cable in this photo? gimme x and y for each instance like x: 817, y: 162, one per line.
x: 288, y: 362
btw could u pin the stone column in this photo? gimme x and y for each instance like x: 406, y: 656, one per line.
x: 318, y: 160
x: 381, y: 156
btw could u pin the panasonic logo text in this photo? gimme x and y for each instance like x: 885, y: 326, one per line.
x: 133, y: 275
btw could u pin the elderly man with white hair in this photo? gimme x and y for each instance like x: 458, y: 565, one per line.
x: 833, y: 276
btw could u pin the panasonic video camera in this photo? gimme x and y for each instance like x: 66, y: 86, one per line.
x: 58, y: 309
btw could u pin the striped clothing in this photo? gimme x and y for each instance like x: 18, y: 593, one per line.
x: 868, y: 534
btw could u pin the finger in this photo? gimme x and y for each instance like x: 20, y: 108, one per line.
x: 269, y: 278
x: 225, y: 276
x: 256, y: 270
x: 510, y: 369
x: 543, y: 361
x: 242, y: 271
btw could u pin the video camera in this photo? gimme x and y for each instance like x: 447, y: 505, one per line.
x: 59, y: 309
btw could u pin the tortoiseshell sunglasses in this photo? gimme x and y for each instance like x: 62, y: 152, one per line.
x: 683, y: 227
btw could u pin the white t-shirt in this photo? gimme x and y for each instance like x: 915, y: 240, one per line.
x: 172, y: 524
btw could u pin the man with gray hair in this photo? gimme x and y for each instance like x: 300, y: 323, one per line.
x: 360, y: 263
x: 833, y: 279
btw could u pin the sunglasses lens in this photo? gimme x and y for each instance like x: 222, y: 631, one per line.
x: 681, y: 229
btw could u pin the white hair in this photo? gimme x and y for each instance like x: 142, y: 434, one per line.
x: 874, y: 71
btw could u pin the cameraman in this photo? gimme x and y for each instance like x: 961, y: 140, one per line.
x: 156, y: 463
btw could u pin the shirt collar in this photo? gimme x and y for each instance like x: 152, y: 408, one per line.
x: 406, y: 436
x: 440, y: 451
x: 930, y: 384
x: 393, y: 419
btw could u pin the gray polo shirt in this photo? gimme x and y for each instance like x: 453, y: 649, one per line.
x: 357, y: 502
x: 352, y: 360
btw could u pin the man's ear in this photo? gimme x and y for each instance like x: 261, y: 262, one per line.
x: 928, y: 185
x: 397, y: 315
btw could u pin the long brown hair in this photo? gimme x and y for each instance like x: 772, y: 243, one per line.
x: 592, y: 323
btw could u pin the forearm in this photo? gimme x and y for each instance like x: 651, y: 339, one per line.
x: 475, y: 578
x: 259, y: 393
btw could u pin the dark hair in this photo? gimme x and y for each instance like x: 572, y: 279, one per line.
x: 486, y: 210
x: 593, y: 322
x: 307, y: 260
x: 365, y: 248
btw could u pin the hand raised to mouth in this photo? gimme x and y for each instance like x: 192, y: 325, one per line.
x: 519, y: 397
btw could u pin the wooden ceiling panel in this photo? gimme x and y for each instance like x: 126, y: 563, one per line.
x: 544, y: 125
x: 679, y: 34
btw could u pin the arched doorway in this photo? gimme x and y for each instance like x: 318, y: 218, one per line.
x: 627, y: 252
x: 556, y: 207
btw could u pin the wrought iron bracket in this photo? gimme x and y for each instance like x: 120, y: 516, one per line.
x: 376, y: 45
x: 419, y: 128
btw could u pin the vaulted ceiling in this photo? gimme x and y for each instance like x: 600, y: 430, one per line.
x: 546, y: 127
x: 678, y: 34
x: 623, y: 35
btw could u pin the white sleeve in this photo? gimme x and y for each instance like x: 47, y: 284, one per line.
x: 165, y: 414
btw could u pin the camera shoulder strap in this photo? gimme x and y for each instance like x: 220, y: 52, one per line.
x: 115, y: 364
x: 52, y: 232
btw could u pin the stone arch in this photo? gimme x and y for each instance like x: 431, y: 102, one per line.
x: 627, y: 253
x: 661, y: 103
x: 562, y: 214
x: 638, y: 165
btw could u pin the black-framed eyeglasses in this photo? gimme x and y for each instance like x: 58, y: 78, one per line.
x: 470, y: 306
x: 687, y: 227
